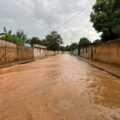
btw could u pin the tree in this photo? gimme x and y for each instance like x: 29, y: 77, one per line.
x: 44, y: 42
x: 21, y: 35
x: 67, y: 48
x: 35, y: 40
x: 53, y: 41
x: 97, y: 41
x: 73, y: 46
x: 6, y: 33
x: 84, y: 42
x: 62, y: 48
x: 106, y: 18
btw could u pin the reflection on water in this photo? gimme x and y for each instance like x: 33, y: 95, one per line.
x: 58, y: 88
x: 106, y: 91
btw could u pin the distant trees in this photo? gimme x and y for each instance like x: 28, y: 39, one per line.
x: 35, y: 40
x: 106, y: 18
x: 53, y: 41
x: 67, y: 47
x: 62, y: 48
x: 96, y: 41
x: 73, y: 47
x: 8, y: 36
x: 21, y: 34
x: 84, y: 42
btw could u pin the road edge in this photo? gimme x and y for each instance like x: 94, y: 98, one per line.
x: 101, y: 68
x: 21, y: 62
x: 16, y: 63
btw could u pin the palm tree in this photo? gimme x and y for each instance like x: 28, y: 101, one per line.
x: 5, y: 34
x: 21, y: 34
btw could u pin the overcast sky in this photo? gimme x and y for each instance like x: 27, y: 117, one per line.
x: 40, y: 17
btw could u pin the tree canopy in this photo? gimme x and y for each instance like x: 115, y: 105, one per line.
x: 35, y: 40
x: 106, y: 18
x: 96, y: 41
x: 53, y: 41
x: 84, y: 42
x: 21, y: 34
x: 73, y: 46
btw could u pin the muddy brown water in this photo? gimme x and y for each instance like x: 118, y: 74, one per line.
x: 58, y: 88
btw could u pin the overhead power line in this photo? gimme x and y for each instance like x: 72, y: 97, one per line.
x: 72, y: 17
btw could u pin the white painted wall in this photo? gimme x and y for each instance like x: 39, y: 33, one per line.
x: 39, y: 53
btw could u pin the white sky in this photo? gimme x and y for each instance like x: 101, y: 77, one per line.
x: 40, y: 17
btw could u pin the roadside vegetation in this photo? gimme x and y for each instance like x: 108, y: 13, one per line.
x: 53, y: 41
x: 18, y: 38
x: 105, y: 18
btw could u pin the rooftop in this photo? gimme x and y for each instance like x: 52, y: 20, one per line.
x: 39, y: 46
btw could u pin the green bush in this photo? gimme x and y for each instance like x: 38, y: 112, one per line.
x: 13, y: 38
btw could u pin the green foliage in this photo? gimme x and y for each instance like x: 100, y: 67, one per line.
x: 84, y: 42
x: 97, y: 41
x: 62, y: 48
x: 53, y: 41
x: 67, y: 48
x: 44, y: 42
x: 35, y: 40
x: 73, y: 46
x: 7, y: 35
x: 106, y: 18
x: 21, y: 34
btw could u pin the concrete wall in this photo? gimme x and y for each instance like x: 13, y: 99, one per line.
x: 86, y: 52
x: 10, y: 52
x: 49, y: 53
x: 25, y: 53
x: 39, y: 53
x: 108, y: 52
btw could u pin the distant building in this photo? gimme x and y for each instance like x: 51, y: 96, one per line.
x: 39, y: 51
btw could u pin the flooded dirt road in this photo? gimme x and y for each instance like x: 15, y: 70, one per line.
x: 58, y: 88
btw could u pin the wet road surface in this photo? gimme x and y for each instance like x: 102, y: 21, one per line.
x: 58, y: 88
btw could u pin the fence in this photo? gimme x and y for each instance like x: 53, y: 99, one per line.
x: 108, y: 52
x: 50, y: 53
x: 9, y: 52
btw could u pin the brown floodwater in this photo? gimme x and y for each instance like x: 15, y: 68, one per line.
x: 58, y: 88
